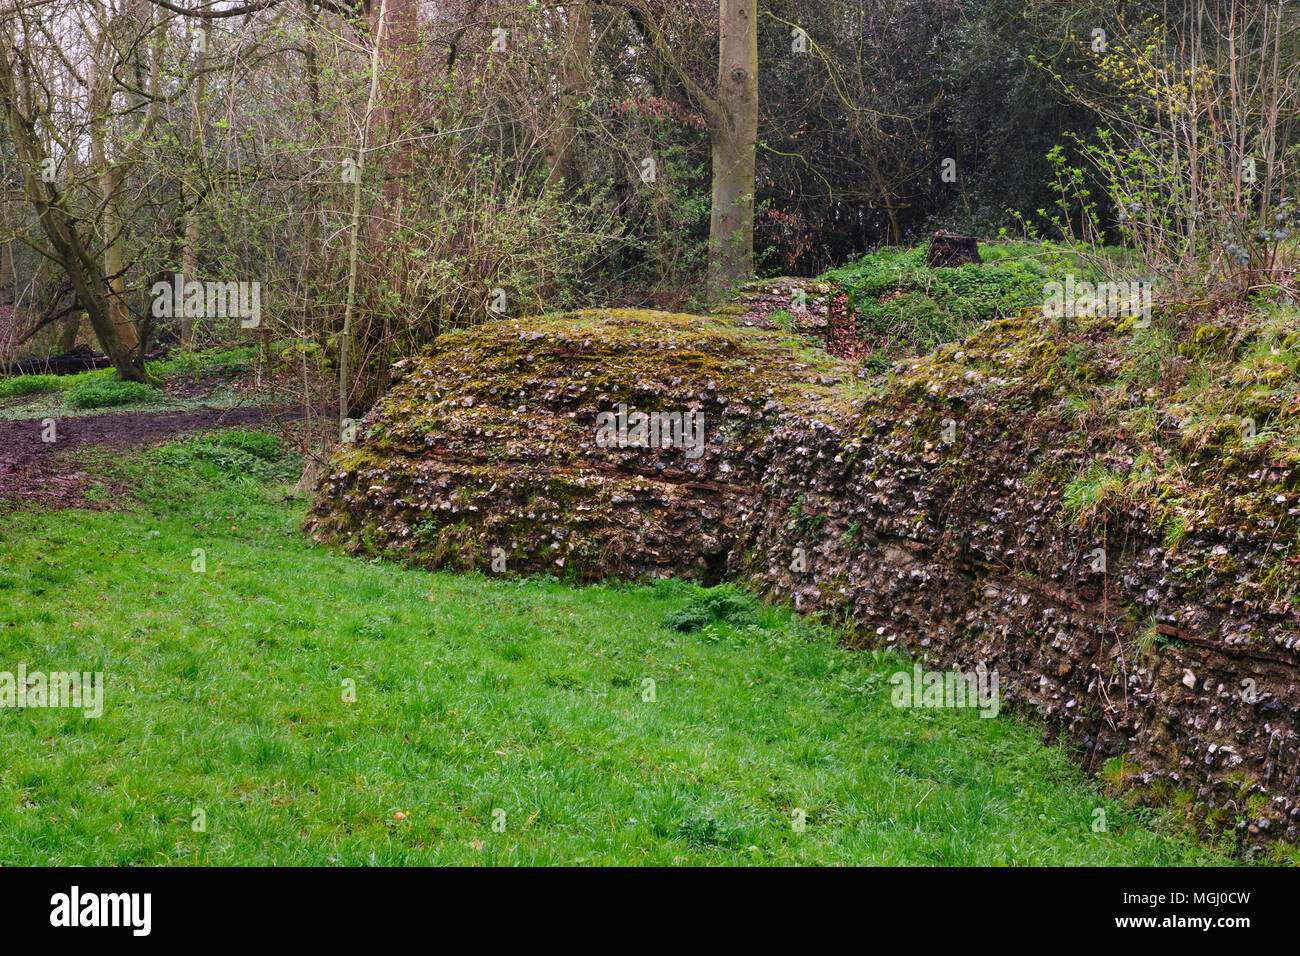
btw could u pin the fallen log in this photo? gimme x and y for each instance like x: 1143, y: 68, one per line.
x: 80, y: 359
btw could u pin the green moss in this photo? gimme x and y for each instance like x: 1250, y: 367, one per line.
x: 1206, y: 340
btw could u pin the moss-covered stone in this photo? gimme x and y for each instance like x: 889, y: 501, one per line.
x: 488, y: 441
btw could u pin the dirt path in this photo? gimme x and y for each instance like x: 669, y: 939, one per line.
x: 36, y: 473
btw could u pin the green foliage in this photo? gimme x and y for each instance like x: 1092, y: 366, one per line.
x: 723, y: 604
x: 29, y: 385
x: 851, y: 538
x: 808, y: 522
x: 903, y: 305
x: 731, y: 606
x: 259, y: 444
x: 211, y: 361
x: 1200, y: 196
x: 233, y: 454
x: 21, y: 385
x: 689, y: 618
x: 110, y: 393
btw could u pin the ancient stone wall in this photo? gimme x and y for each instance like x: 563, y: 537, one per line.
x: 951, y: 552
x: 924, y: 510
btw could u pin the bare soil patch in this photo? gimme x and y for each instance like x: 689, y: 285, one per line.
x: 36, y: 473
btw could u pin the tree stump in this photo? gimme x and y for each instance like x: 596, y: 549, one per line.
x: 948, y: 252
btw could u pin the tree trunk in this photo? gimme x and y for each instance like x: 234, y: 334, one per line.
x: 110, y: 184
x: 347, y: 345
x: 732, y: 121
x: 115, y: 261
x: 577, y: 54
x: 189, y: 260
x: 191, y: 191
x: 68, y: 332
x: 7, y: 273
x: 8, y: 281
x: 734, y: 141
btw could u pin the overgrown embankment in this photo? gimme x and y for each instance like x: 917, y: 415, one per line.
x: 1075, y: 503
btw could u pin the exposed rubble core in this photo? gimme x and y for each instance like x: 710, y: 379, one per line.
x: 925, y: 507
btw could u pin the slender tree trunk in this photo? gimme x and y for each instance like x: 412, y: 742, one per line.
x: 734, y: 142
x: 7, y: 278
x: 189, y: 259
x: 190, y: 190
x: 110, y: 183
x: 346, y: 345
x: 732, y: 120
x: 577, y: 56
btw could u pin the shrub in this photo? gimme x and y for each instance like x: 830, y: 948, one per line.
x: 109, y: 393
x: 735, y: 608
x: 722, y: 604
x: 689, y: 618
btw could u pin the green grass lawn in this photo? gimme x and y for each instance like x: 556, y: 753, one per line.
x: 494, y: 721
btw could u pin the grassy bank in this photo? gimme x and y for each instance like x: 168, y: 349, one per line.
x: 494, y: 721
